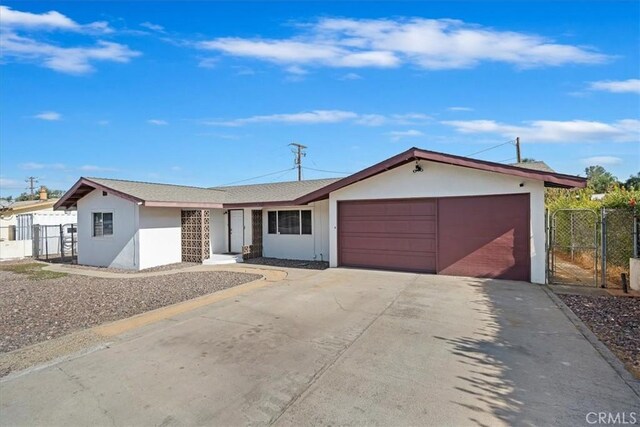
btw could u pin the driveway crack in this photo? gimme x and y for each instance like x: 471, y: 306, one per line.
x: 90, y: 392
x: 325, y: 368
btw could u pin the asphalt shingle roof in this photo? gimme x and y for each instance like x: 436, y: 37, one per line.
x: 254, y: 193
x: 149, y: 191
x: 536, y: 165
x: 272, y: 192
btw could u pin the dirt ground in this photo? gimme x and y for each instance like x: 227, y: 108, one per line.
x: 615, y: 321
x: 38, y: 305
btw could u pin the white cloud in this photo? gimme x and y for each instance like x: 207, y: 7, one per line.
x: 11, y: 184
x: 176, y: 168
x: 153, y: 27
x: 297, y: 70
x: 49, y: 116
x: 324, y: 117
x: 350, y: 76
x: 52, y: 20
x: 94, y: 168
x: 71, y: 60
x: 460, y: 109
x: 208, y: 62
x: 602, y: 160
x: 397, y: 135
x: 157, y: 122
x: 35, y: 166
x: 555, y: 131
x: 384, y: 43
x: 309, y: 117
x: 617, y: 86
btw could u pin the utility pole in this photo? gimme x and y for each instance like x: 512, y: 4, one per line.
x: 298, y: 150
x: 518, y: 149
x: 32, y: 181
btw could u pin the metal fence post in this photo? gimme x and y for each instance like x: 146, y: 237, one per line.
x: 603, y: 244
x: 61, y: 243
x: 636, y: 238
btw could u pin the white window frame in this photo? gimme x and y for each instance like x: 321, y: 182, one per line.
x: 93, y: 227
x: 277, y: 212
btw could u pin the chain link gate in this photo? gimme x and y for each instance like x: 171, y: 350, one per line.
x: 572, y: 247
x: 617, y: 235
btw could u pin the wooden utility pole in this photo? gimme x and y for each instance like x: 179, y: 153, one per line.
x: 298, y: 150
x: 32, y: 181
x: 518, y: 149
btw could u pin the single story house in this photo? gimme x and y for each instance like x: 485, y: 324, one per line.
x: 18, y: 218
x: 418, y: 211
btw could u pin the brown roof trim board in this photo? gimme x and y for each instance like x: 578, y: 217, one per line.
x: 550, y: 179
x: 80, y: 189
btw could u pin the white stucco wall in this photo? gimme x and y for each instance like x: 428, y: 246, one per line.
x: 304, y: 247
x: 159, y: 236
x: 119, y: 250
x: 440, y: 180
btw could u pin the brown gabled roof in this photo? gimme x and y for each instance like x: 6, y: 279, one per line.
x: 169, y: 195
x: 293, y: 192
x: 551, y: 179
x: 145, y: 193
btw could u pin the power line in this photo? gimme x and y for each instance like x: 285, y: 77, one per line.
x: 490, y: 148
x: 323, y: 170
x: 257, y: 177
x: 507, y: 160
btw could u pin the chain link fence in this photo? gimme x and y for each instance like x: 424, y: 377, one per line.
x: 590, y: 247
x: 54, y: 243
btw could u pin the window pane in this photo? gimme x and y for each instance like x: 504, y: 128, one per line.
x: 289, y: 222
x: 107, y: 227
x: 273, y: 223
x: 306, y: 222
x: 97, y: 224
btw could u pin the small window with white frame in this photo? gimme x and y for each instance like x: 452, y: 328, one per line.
x: 102, y: 224
x: 289, y: 222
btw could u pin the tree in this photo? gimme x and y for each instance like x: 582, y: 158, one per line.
x: 633, y: 183
x: 599, y: 179
x: 52, y: 194
x: 528, y: 160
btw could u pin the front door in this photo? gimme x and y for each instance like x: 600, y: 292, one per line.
x: 236, y: 230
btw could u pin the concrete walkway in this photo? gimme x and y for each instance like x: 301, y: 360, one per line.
x: 338, y: 347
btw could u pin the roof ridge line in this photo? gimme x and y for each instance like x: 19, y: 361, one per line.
x: 151, y: 183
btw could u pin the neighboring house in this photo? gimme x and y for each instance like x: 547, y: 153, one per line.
x: 18, y: 218
x: 418, y: 211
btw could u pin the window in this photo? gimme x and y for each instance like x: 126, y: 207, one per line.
x: 273, y: 222
x: 102, y: 224
x: 306, y: 221
x: 289, y: 222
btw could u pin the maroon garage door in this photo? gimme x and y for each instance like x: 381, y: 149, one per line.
x: 388, y: 234
x: 484, y: 236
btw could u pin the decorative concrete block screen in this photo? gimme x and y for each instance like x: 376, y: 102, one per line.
x: 195, y: 235
x: 255, y: 249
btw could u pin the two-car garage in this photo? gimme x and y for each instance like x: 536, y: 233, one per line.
x: 479, y: 236
x: 423, y: 211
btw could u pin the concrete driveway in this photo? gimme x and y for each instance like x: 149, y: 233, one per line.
x: 338, y: 347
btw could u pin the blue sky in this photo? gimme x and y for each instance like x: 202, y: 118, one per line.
x: 209, y: 93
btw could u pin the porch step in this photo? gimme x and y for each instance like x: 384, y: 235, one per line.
x: 217, y: 259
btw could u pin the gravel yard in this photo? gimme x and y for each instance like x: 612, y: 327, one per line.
x: 176, y: 266
x: 36, y: 307
x: 615, y: 321
x: 289, y: 263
